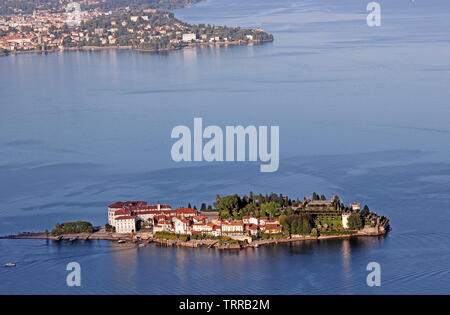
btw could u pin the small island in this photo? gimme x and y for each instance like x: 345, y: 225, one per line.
x: 145, y: 26
x: 232, y: 222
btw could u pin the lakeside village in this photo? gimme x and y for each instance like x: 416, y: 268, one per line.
x: 150, y: 30
x: 233, y: 222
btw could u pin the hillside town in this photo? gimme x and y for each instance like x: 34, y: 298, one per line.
x: 146, y: 30
x: 28, y: 6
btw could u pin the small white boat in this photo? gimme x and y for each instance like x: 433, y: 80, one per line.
x: 9, y: 265
x: 121, y: 241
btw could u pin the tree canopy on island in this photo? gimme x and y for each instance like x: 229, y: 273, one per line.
x: 269, y: 205
x: 297, y: 224
x: 252, y: 205
x: 73, y: 228
x: 355, y: 222
x: 309, y: 216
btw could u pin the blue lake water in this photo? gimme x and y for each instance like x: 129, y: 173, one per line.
x: 363, y: 112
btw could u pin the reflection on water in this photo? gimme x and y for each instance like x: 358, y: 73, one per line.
x: 324, y: 267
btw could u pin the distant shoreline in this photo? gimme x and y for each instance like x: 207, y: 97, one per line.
x: 100, y: 48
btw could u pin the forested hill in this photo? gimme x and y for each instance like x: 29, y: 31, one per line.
x: 8, y: 7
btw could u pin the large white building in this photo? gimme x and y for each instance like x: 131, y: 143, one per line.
x: 144, y: 214
x: 125, y: 224
x: 181, y: 226
x: 201, y: 227
x: 234, y: 227
x: 140, y: 209
x: 207, y: 229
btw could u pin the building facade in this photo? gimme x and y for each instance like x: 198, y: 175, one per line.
x: 125, y: 224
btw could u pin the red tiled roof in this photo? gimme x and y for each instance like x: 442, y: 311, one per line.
x: 130, y: 217
x: 149, y: 212
x: 233, y: 223
x: 116, y: 205
x: 138, y: 205
x: 122, y: 212
x: 128, y: 204
x: 251, y: 227
x: 151, y: 208
x: 160, y: 217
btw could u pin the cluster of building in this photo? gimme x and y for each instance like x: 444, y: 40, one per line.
x: 44, y: 30
x: 131, y: 216
x: 38, y: 30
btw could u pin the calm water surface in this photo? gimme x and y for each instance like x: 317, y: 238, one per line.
x: 363, y: 113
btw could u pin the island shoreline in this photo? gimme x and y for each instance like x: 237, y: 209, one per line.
x: 213, y: 244
x: 141, y: 223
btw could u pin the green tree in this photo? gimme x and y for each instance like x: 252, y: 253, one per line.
x: 228, y: 204
x: 306, y: 225
x: 355, y: 222
x: 297, y: 224
x: 73, y: 228
x: 250, y: 209
x: 365, y: 212
x: 109, y: 228
x: 271, y: 209
x: 315, y: 196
